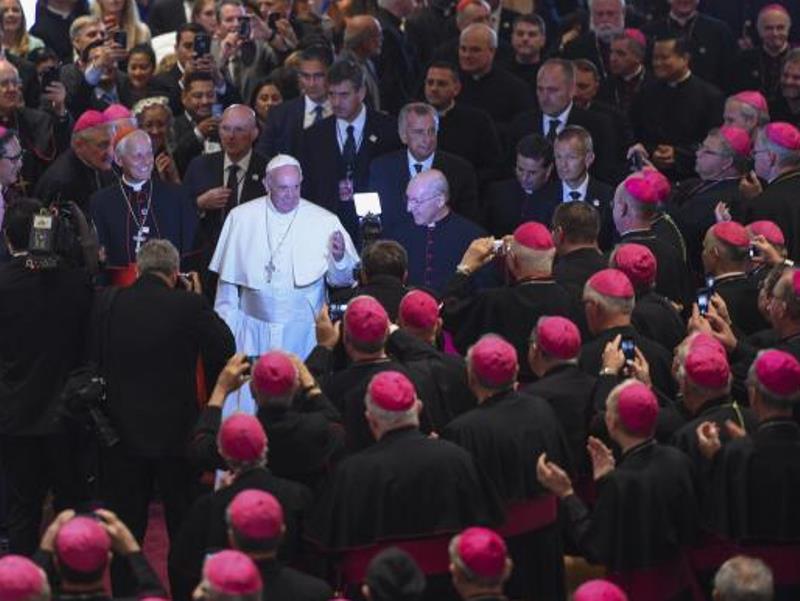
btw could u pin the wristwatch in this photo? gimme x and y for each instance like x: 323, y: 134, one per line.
x: 607, y: 371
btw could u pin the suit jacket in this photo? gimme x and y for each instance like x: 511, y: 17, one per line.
x: 389, y: 176
x: 600, y: 126
x: 506, y: 205
x: 324, y: 168
x: 187, y: 146
x: 168, y: 84
x: 283, y: 129
x: 598, y: 194
x: 165, y: 16
x: 777, y: 204
x: 471, y: 134
x: 397, y: 66
x: 155, y: 335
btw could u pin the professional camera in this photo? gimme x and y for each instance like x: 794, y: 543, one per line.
x: 60, y: 235
x: 84, y: 400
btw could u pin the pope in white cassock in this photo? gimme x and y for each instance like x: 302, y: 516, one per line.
x: 273, y: 258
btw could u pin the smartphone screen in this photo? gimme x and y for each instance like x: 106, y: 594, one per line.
x: 366, y: 203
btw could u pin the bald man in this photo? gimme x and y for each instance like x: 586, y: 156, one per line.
x: 139, y: 207
x: 760, y: 67
x: 222, y: 180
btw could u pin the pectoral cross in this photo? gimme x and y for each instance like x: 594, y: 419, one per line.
x: 140, y: 237
x: 270, y: 269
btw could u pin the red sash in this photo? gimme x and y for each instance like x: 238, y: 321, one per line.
x: 122, y: 276
x: 529, y: 515
x: 431, y: 554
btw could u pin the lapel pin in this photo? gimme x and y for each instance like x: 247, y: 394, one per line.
x: 373, y: 138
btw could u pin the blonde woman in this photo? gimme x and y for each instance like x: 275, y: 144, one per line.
x: 16, y: 38
x: 122, y: 15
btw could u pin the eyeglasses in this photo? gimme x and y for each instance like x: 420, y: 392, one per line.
x: 411, y: 201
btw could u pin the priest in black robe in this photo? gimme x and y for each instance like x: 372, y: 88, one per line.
x: 759, y: 68
x: 139, y: 208
x: 576, y: 226
x: 655, y: 483
x: 502, y: 434
x: 427, y: 490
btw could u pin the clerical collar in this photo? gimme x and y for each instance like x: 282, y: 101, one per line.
x: 480, y: 76
x: 730, y: 275
x: 675, y: 84
x: 682, y: 21
x: 637, y: 230
x: 135, y: 186
x: 639, y: 447
x: 446, y: 110
x: 638, y: 73
x: 243, y: 163
x: 433, y: 224
x: 777, y: 55
x: 61, y: 13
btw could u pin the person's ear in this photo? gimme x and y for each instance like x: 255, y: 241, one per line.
x: 589, y: 159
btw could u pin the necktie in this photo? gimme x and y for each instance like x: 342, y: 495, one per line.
x: 418, y: 167
x: 318, y: 113
x: 552, y: 130
x: 574, y: 195
x: 349, y: 150
x: 233, y: 185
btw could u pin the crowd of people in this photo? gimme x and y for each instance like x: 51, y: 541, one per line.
x: 400, y: 300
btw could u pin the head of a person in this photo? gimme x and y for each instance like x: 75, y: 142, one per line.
x: 574, y: 154
x: 266, y: 95
x: 608, y: 298
x: 492, y: 366
x: 384, y: 258
x: 311, y: 73
x: 477, y: 45
x: 17, y: 223
x: 242, y: 442
x: 44, y: 58
x: 528, y: 36
x: 229, y: 14
x: 636, y: 202
x: 282, y: 180
x: 115, y: 8
x: 428, y: 197
x: 141, y: 65
x: 229, y: 575
x: 725, y: 248
x: 199, y: 95
x: 363, y: 36
x: 184, y: 42
x: 554, y: 341
x: 638, y: 263
x: 155, y: 117
x: 724, y: 153
x: 790, y: 76
x: 393, y: 575
x: 238, y: 130
x: 599, y: 590
x: 10, y: 157
x: 275, y: 380
x: 683, y: 9
x: 469, y: 12
x: 418, y: 314
x: 391, y: 403
x: 82, y: 551
x: 555, y: 86
x: 701, y: 370
x: 587, y: 82
x: 22, y: 580
x: 534, y: 164
x: 479, y: 562
x: 270, y: 7
x: 776, y: 150
x: 606, y: 18
x: 85, y: 30
x: 575, y: 225
x: 627, y: 52
x: 204, y: 14
x: 160, y: 258
x: 783, y: 300
x: 365, y: 327
x: 133, y: 152
x: 346, y: 89
x: 631, y: 413
x: 91, y: 140
x: 418, y: 124
x: 773, y: 25
x: 743, y: 578
x: 773, y: 383
x: 747, y: 110
x: 10, y: 88
x: 255, y: 523
x: 531, y: 251
x: 13, y: 16
x: 442, y: 85
x: 671, y: 58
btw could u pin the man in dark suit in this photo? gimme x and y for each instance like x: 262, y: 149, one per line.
x: 44, y: 315
x: 555, y: 91
x: 337, y: 151
x: 283, y: 130
x: 389, y: 175
x: 759, y: 68
x: 155, y: 336
x: 575, y: 228
x: 397, y: 64
x: 606, y: 19
x: 573, y: 153
x: 221, y: 181
x: 167, y: 15
x: 627, y: 72
x: 196, y: 129
x: 510, y: 202
x: 463, y: 130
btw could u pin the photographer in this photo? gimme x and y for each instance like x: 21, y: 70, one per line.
x: 43, y: 316
x: 156, y: 331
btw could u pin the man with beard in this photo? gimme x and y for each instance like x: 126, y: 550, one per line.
x: 786, y: 105
x: 606, y: 19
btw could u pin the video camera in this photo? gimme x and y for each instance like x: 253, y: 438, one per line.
x: 60, y: 235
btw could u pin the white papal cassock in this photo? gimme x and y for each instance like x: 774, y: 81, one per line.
x: 272, y: 269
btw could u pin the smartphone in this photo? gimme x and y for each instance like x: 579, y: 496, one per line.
x: 244, y: 27
x: 217, y: 110
x: 336, y: 311
x: 628, y: 347
x: 121, y: 38
x: 367, y: 203
x: 703, y: 300
x: 753, y: 251
x: 498, y: 247
x: 636, y: 162
x: 710, y: 284
x: 49, y: 76
x: 272, y: 20
x: 202, y: 44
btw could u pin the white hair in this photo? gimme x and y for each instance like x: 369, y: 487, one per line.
x: 483, y: 27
